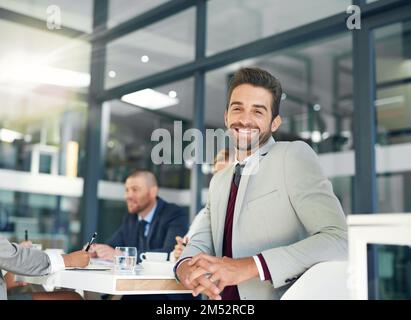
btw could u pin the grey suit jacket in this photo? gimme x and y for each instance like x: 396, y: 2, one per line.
x: 286, y: 210
x: 23, y: 261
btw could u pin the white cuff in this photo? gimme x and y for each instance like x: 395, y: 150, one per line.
x: 178, y: 264
x: 259, y: 267
x: 56, y: 262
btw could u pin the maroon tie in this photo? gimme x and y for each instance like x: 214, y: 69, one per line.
x: 231, y: 292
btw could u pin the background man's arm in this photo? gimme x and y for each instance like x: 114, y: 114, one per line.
x: 117, y: 239
x: 176, y: 226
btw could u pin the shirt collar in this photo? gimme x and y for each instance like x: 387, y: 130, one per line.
x: 149, y: 217
x: 261, y: 152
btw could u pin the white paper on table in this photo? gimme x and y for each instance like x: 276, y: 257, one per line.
x: 90, y: 267
x: 101, y: 262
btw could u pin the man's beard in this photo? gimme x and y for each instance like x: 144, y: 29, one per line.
x: 138, y: 208
x: 242, y: 144
x: 264, y: 136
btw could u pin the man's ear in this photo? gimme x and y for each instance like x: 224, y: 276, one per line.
x: 153, y: 192
x: 276, y: 123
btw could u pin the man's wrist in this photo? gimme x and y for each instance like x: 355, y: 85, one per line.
x: 178, y: 268
x: 67, y: 260
x: 250, y: 267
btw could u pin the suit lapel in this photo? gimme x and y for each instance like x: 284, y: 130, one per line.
x: 223, y: 185
x: 132, y: 224
x: 222, y: 196
x: 154, y: 222
x: 242, y: 188
x: 250, y: 171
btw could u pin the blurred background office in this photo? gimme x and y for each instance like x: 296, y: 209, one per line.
x: 76, y: 75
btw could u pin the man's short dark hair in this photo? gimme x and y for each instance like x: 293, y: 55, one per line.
x: 259, y: 78
x: 149, y: 177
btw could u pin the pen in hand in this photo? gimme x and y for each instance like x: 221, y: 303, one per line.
x: 91, y: 241
x: 26, y: 235
x: 184, y: 241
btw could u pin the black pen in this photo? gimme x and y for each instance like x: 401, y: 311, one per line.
x: 26, y: 235
x: 91, y: 241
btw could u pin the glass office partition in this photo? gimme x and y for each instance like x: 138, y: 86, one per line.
x: 247, y: 21
x: 122, y: 10
x: 394, y: 271
x: 393, y: 107
x: 52, y: 221
x: 134, y: 119
x: 156, y: 48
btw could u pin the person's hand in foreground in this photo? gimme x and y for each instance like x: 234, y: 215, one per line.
x: 221, y: 272
x: 78, y: 259
x: 179, y: 247
x: 184, y: 272
x: 102, y: 251
x: 26, y: 244
x: 11, y: 281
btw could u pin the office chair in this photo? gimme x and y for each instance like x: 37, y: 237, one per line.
x: 323, y: 281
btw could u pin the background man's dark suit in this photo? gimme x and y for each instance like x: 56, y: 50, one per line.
x: 168, y: 222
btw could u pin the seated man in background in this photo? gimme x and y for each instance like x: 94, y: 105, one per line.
x: 221, y: 160
x: 151, y: 223
x: 23, y: 260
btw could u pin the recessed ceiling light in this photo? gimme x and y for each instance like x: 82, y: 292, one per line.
x: 112, y: 74
x: 325, y: 135
x: 172, y: 94
x: 305, y: 134
x: 150, y: 99
x: 24, y: 68
x: 389, y: 101
x: 7, y: 135
x: 189, y: 163
x: 36, y: 73
x: 346, y: 134
x: 316, y: 136
x: 144, y: 59
x: 317, y: 107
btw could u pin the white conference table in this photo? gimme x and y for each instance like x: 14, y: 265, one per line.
x: 109, y: 283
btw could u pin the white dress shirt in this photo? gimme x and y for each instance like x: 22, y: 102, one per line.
x: 56, y: 262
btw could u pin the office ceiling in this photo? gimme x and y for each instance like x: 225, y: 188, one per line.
x: 171, y: 42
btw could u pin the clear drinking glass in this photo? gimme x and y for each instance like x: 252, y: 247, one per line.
x: 125, y: 259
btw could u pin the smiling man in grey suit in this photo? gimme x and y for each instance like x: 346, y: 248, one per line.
x: 271, y: 215
x: 32, y: 262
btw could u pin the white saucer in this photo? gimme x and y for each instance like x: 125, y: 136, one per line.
x: 157, y: 267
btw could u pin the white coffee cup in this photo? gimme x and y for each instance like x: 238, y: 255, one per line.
x: 154, y: 256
